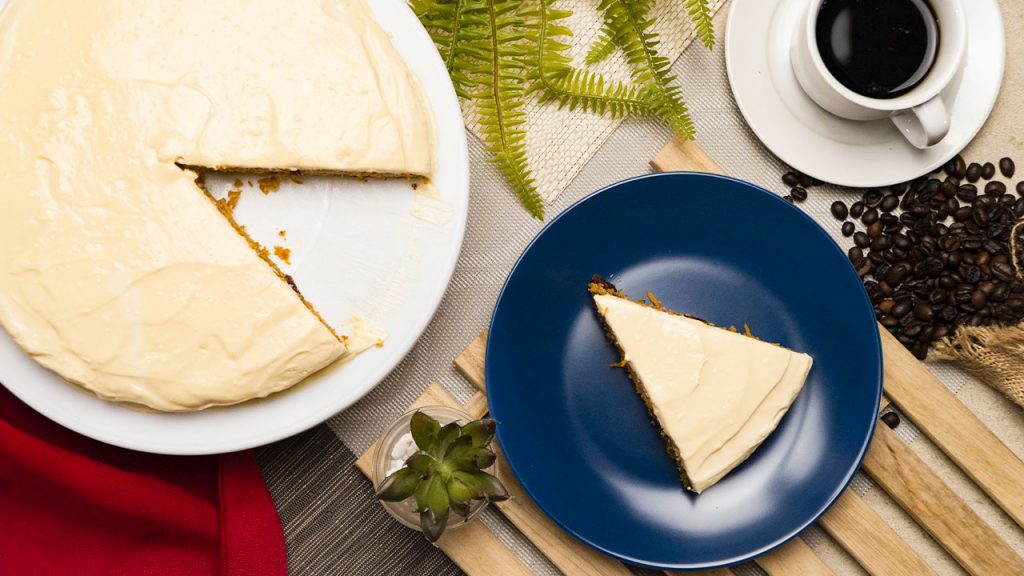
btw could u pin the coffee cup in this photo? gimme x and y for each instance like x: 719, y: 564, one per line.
x: 916, y: 106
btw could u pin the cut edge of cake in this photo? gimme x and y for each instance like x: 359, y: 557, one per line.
x: 600, y: 286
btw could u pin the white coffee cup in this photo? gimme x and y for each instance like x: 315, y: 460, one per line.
x: 920, y: 114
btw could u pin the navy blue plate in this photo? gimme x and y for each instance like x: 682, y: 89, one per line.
x: 578, y: 437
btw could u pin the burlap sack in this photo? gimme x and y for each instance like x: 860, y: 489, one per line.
x: 992, y: 354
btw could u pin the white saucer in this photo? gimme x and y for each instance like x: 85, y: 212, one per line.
x: 832, y: 149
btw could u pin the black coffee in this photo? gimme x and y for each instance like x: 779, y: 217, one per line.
x: 878, y: 48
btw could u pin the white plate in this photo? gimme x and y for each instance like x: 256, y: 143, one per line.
x: 832, y: 149
x: 357, y: 249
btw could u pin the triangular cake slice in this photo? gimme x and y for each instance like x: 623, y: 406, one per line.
x: 716, y: 394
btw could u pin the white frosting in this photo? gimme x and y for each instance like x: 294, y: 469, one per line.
x: 115, y: 270
x: 716, y: 394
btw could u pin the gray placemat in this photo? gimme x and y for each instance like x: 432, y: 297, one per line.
x: 332, y: 523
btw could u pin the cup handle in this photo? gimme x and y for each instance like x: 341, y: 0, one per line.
x: 923, y: 125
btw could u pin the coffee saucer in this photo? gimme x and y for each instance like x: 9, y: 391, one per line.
x: 833, y: 149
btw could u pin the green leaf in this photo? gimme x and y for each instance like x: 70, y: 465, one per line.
x: 473, y: 459
x: 459, y: 492
x: 494, y: 490
x: 459, y: 447
x: 420, y: 462
x: 424, y: 430
x: 700, y: 15
x: 480, y: 431
x: 474, y: 485
x: 399, y: 486
x: 448, y: 434
x: 602, y: 47
x: 433, y: 503
x: 483, y: 485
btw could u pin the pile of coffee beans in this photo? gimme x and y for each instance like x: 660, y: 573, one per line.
x: 935, y: 253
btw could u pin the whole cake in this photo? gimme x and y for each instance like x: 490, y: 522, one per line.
x: 715, y: 394
x: 116, y: 270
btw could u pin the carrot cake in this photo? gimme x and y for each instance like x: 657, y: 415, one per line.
x: 716, y: 394
x: 116, y: 270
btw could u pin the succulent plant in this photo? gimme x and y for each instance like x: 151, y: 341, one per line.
x: 446, y: 474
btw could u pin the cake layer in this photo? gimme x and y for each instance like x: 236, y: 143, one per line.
x: 716, y: 394
x: 116, y: 270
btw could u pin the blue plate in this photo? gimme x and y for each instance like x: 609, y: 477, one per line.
x: 578, y: 437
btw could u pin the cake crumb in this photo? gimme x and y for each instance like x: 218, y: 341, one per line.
x: 380, y: 343
x: 250, y: 184
x: 283, y: 253
x: 228, y: 205
x: 270, y: 184
x: 415, y: 185
x: 283, y: 234
x: 295, y: 178
x: 238, y: 184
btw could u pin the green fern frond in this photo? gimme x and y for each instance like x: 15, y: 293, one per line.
x: 700, y: 15
x: 505, y: 62
x: 555, y: 80
x: 602, y: 47
x: 631, y: 24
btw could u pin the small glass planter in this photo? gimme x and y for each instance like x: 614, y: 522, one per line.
x: 384, y: 460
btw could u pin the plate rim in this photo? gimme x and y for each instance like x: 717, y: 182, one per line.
x: 315, y: 414
x: 836, y: 493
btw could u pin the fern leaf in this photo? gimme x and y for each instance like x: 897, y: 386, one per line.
x: 602, y: 47
x: 631, y: 24
x: 700, y: 15
x: 502, y: 96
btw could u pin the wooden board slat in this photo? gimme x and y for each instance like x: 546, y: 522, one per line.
x: 870, y: 540
x: 939, y: 510
x: 473, y: 548
x: 909, y: 384
x: 471, y: 364
x: 954, y: 428
x: 793, y: 557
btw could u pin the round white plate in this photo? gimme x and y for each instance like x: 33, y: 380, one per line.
x: 374, y: 250
x: 832, y: 149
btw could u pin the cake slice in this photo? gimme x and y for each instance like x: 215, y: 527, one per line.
x: 715, y: 394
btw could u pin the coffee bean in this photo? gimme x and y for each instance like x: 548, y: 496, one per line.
x: 872, y: 198
x: 788, y: 198
x: 848, y: 229
x: 875, y: 229
x: 967, y: 192
x: 973, y: 172
x: 988, y: 170
x: 805, y: 180
x: 978, y: 299
x: 856, y: 255
x: 870, y: 216
x: 889, y: 322
x: 979, y: 215
x: 881, y: 242
x: 1003, y: 271
x: 861, y: 239
x: 891, y: 419
x: 857, y: 209
x: 839, y: 210
x: 890, y: 202
x: 897, y: 274
x: 885, y: 306
x: 790, y: 179
x: 1006, y: 167
x: 959, y: 167
x: 1020, y: 188
x: 902, y: 308
x: 995, y: 188
x: 962, y: 214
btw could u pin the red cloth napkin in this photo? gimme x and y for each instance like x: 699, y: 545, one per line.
x: 72, y: 506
